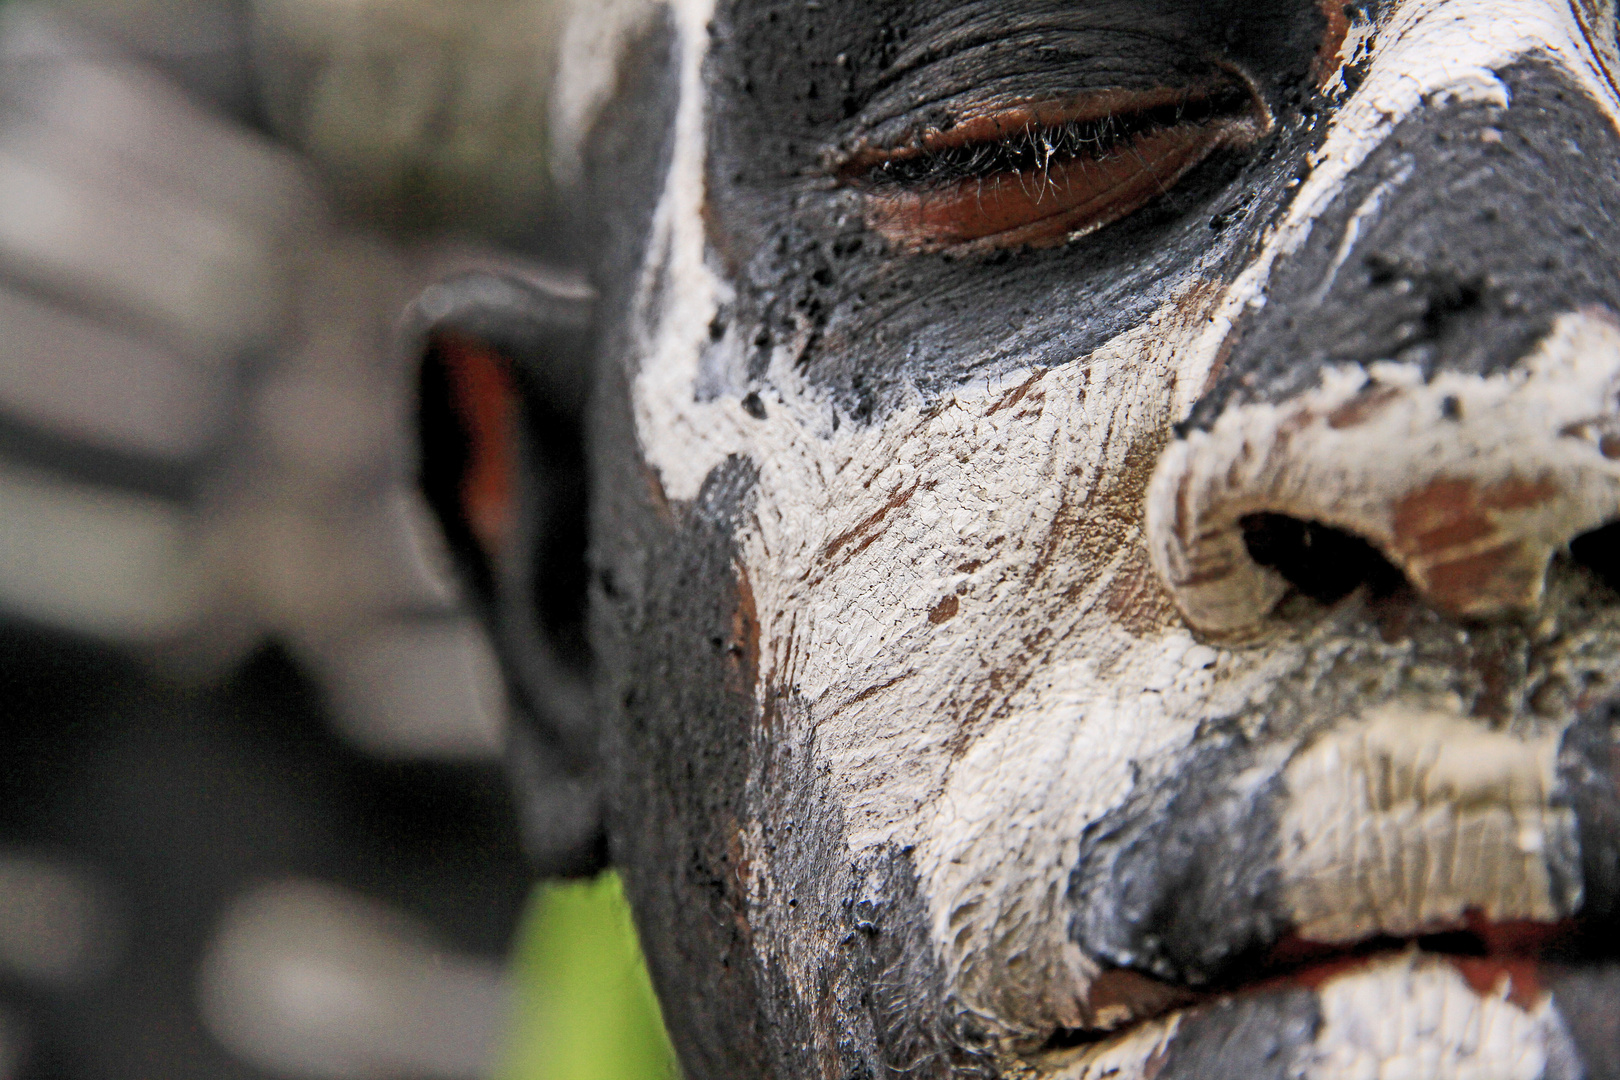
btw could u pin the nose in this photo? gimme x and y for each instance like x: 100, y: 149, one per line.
x: 1467, y: 485
x: 1426, y: 386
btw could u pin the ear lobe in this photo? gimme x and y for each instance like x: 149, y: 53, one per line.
x: 501, y: 392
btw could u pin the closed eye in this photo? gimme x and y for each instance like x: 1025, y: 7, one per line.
x: 1039, y: 175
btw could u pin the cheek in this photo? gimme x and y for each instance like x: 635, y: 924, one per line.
x: 964, y: 586
x: 915, y: 577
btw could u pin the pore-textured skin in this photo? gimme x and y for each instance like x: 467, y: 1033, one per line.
x: 923, y: 760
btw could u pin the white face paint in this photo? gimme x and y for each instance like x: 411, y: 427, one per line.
x: 1398, y: 823
x: 957, y: 603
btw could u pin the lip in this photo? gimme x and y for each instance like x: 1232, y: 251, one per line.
x: 1408, y: 1005
x: 1236, y: 861
x: 1483, y: 951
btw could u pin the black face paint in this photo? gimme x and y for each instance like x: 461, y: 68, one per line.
x: 796, y: 89
x: 663, y: 602
x: 1589, y: 782
x: 1264, y: 1037
x: 1180, y: 881
x: 1588, y: 1002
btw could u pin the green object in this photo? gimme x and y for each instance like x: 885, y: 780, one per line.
x: 585, y: 1008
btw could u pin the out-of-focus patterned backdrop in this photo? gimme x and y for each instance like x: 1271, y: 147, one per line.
x: 252, y: 816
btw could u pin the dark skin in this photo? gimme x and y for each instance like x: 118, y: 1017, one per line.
x: 938, y: 227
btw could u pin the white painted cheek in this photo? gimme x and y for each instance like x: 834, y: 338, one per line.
x: 860, y: 539
x: 941, y: 593
x: 1005, y: 834
x: 1416, y: 1018
x: 1426, y: 52
x: 1004, y: 838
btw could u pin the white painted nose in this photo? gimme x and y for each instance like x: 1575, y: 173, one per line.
x: 1466, y: 485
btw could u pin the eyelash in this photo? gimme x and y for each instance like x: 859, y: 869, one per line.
x: 1044, y: 175
x: 1036, y: 148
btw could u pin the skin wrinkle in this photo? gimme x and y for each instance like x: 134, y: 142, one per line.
x: 1034, y: 710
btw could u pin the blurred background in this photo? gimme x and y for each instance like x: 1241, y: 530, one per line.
x: 253, y: 820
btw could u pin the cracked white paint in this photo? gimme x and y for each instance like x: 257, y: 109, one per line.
x: 1443, y: 1029
x: 987, y: 734
x: 1425, y: 51
x: 1401, y: 822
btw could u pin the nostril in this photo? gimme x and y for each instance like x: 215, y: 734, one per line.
x: 1599, y: 552
x: 1319, y: 561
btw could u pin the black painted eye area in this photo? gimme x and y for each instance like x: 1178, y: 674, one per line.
x: 894, y: 185
x: 1038, y: 175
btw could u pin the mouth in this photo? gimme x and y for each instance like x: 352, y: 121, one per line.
x: 1495, y: 1001
x: 1512, y: 959
x: 1399, y: 846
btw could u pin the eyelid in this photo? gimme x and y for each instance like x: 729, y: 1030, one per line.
x: 1044, y: 173
x: 1012, y: 119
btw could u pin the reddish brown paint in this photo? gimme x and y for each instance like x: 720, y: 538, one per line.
x: 1137, y: 598
x: 944, y: 611
x: 1449, y: 510
x: 1496, y: 577
x: 1043, y: 209
x: 1330, y: 57
x: 742, y: 650
x: 865, y: 529
x: 485, y: 399
x: 1017, y: 393
x: 1139, y: 997
x: 1451, y: 514
x: 1485, y: 975
x: 1363, y: 407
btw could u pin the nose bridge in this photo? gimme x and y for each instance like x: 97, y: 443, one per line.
x: 1433, y: 369
x: 1453, y: 245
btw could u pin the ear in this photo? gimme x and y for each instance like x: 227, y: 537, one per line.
x: 503, y: 361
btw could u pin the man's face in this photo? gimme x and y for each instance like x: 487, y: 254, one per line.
x: 1085, y: 495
